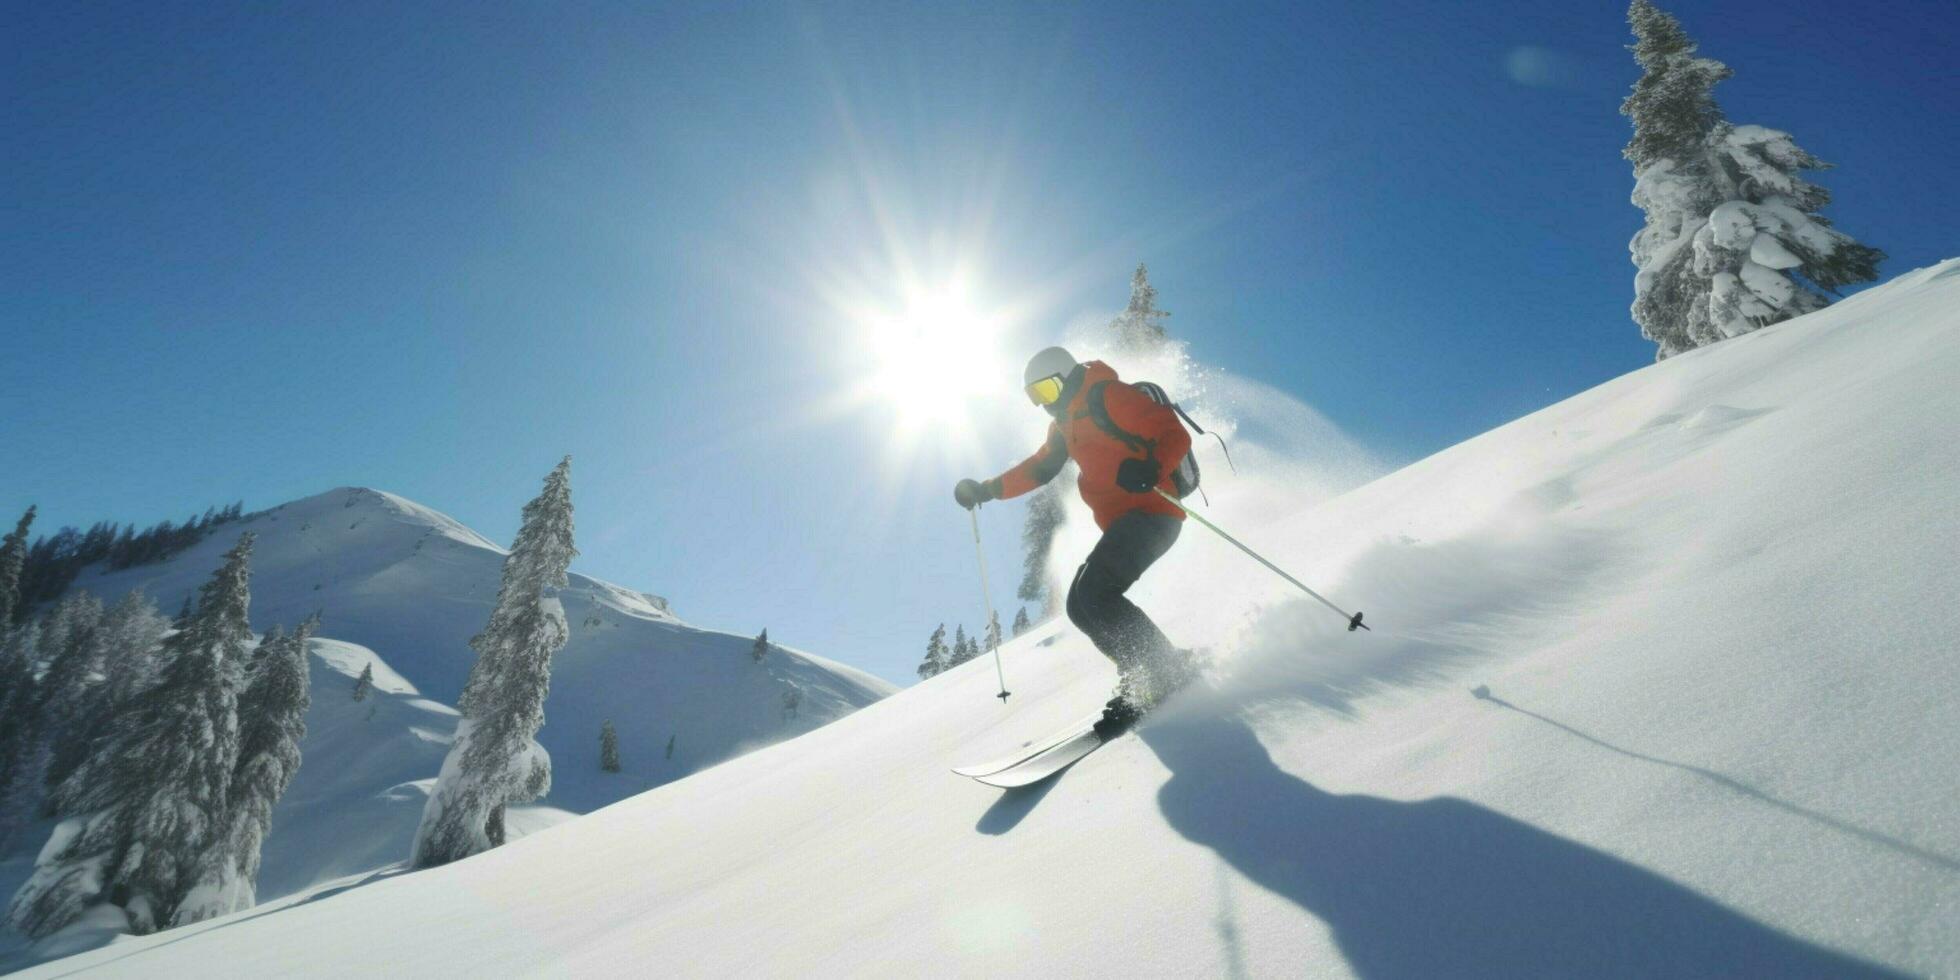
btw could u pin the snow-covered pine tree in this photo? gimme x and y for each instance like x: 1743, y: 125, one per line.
x: 18, y: 694
x: 1140, y: 327
x: 183, y: 617
x: 126, y: 648
x: 1047, y: 512
x: 131, y: 638
x: 962, y: 647
x: 154, y: 796
x: 19, y: 698
x: 992, y: 638
x: 760, y: 648
x: 937, y: 656
x: 271, y: 724
x: 364, y: 683
x: 272, y: 638
x: 13, y: 558
x: 17, y: 646
x: 1733, y: 241
x: 1021, y: 624
x: 68, y: 688
x: 495, y: 760
x: 608, y: 747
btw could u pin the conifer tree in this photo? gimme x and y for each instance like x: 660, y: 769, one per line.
x: 19, y: 712
x: 271, y: 724
x: 68, y: 687
x: 17, y: 648
x: 1021, y: 624
x: 126, y: 649
x: 608, y: 747
x: 364, y: 683
x: 495, y: 760
x: 1733, y: 241
x: 760, y: 648
x: 131, y: 638
x: 1140, y: 327
x: 13, y: 558
x: 154, y: 797
x: 937, y: 657
x: 962, y: 647
x: 992, y: 640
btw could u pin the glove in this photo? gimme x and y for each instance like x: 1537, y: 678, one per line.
x: 972, y: 493
x: 1137, y: 475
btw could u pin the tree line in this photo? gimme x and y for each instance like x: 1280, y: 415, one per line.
x: 49, y: 566
x: 941, y: 656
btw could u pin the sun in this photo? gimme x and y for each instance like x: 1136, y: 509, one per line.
x: 934, y: 357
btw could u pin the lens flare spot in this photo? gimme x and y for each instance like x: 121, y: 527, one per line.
x: 933, y: 357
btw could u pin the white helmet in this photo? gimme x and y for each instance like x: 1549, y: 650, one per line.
x: 1047, y: 364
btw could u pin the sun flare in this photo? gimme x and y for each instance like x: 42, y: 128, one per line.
x: 933, y: 357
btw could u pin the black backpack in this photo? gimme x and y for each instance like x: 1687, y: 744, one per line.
x: 1184, y: 479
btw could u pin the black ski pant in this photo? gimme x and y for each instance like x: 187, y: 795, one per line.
x: 1096, y: 604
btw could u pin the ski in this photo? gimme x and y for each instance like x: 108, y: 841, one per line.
x: 1048, y: 762
x: 1026, y: 752
x: 1039, y: 760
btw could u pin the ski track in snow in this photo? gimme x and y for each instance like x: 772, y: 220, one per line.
x: 1661, y: 684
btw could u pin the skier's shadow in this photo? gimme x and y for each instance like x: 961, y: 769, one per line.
x: 1444, y: 887
x: 1013, y: 805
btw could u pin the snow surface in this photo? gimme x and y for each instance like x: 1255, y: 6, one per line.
x: 403, y: 588
x: 1709, y: 615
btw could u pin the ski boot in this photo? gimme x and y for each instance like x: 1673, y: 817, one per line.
x: 1118, y: 716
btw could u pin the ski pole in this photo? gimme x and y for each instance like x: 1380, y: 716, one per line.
x: 986, y: 596
x: 1354, y: 622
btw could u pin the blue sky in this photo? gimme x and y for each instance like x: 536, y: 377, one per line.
x: 261, y: 252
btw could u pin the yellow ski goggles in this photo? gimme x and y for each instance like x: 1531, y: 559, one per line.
x: 1046, y: 391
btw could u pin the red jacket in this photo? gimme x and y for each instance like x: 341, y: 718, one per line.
x: 1077, y: 436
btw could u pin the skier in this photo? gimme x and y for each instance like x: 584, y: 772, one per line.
x: 1126, y: 445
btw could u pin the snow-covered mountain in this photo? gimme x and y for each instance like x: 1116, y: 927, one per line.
x: 402, y: 588
x: 412, y: 586
x: 1710, y: 610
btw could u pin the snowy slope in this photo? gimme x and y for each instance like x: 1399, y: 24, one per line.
x: 1713, y: 605
x: 364, y: 777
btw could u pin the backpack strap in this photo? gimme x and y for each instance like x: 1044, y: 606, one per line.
x: 1165, y: 400
x: 1193, y: 423
x: 1188, y: 420
x: 1098, y: 412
